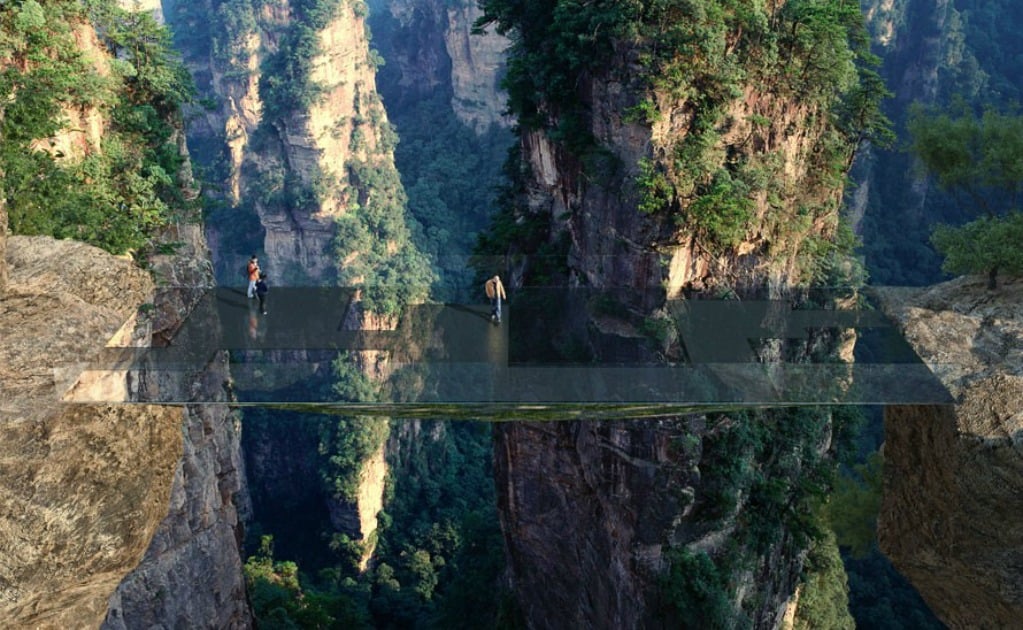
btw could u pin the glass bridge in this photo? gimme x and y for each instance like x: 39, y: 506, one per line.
x: 557, y: 352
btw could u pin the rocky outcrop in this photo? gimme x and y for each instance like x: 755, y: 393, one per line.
x: 358, y: 519
x: 84, y: 487
x: 477, y: 62
x: 612, y: 244
x: 191, y: 573
x: 305, y: 147
x: 602, y: 484
x: 953, y: 479
x: 592, y: 511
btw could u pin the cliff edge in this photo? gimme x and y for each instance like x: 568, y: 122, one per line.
x: 82, y: 487
x: 953, y: 487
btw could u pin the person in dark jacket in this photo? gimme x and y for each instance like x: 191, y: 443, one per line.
x: 261, y: 291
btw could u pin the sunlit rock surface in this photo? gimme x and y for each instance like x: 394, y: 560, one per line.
x: 82, y: 487
x: 952, y: 515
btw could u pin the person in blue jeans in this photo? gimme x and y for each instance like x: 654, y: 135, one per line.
x: 495, y: 291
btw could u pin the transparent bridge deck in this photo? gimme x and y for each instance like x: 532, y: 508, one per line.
x: 547, y: 352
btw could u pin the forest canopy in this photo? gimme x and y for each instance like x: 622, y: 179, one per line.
x: 118, y: 189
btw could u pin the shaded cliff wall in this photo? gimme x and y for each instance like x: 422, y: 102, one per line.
x: 953, y: 484
x: 430, y: 48
x: 680, y: 522
x: 84, y: 486
x: 191, y: 573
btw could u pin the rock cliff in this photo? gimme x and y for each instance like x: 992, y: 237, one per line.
x: 84, y: 486
x: 953, y: 483
x: 308, y: 149
x: 433, y: 47
x: 289, y: 160
x: 629, y: 177
x: 191, y: 573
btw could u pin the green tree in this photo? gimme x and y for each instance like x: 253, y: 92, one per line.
x: 276, y: 594
x: 854, y: 504
x: 979, y: 159
x: 988, y: 244
x: 117, y: 195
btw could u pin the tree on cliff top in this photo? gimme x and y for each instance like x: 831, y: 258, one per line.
x: 979, y: 159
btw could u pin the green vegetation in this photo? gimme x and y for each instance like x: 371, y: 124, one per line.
x: 765, y: 475
x: 374, y: 246
x: 701, y: 53
x: 986, y: 245
x: 974, y: 53
x: 438, y: 557
x: 700, y: 593
x: 451, y: 176
x: 981, y: 160
x: 824, y: 596
x: 441, y: 542
x: 279, y: 599
x: 119, y: 193
x: 852, y: 510
x: 285, y: 84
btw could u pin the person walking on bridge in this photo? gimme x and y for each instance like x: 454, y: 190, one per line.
x: 252, y: 269
x: 495, y: 291
x: 261, y: 291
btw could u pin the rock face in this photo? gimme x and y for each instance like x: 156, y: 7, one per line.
x: 297, y: 177
x: 950, y: 518
x: 84, y: 487
x: 602, y: 484
x: 596, y: 515
x: 191, y: 573
x: 433, y: 48
x: 307, y: 143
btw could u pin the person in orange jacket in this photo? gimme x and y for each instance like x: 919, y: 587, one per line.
x: 252, y: 269
x: 495, y: 291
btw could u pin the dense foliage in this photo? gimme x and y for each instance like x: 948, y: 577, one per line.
x: 988, y: 245
x: 438, y: 555
x: 824, y: 596
x: 700, y: 55
x: 763, y: 474
x: 451, y: 175
x: 118, y: 193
